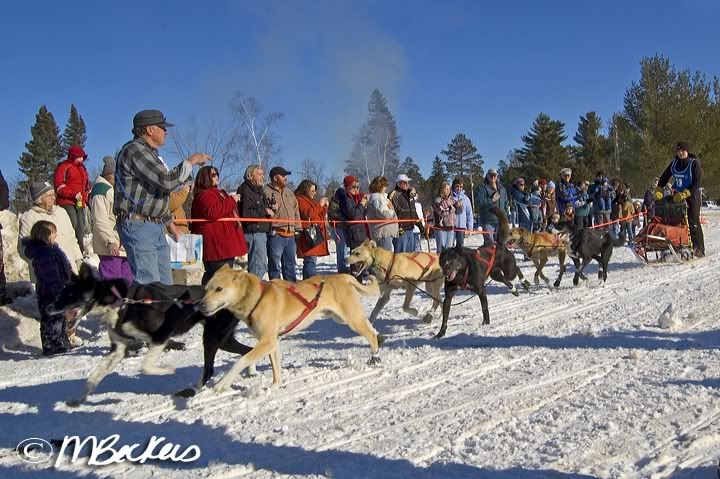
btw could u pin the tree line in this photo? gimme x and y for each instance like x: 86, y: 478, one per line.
x: 664, y: 106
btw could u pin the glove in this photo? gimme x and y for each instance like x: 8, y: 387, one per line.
x: 579, y: 203
x: 659, y: 194
x: 680, y: 196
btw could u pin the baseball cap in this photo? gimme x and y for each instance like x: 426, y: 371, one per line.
x: 402, y: 177
x: 279, y: 170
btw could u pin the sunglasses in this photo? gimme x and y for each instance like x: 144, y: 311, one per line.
x: 356, y: 186
x: 214, y: 174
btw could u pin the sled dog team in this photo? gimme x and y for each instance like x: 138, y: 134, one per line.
x: 155, y: 313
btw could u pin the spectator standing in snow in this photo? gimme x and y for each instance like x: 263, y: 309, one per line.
x: 583, y: 205
x: 72, y: 188
x: 549, y: 204
x: 254, y: 204
x: 379, y: 207
x: 521, y: 200
x: 405, y: 210
x: 316, y: 214
x: 4, y: 204
x: 53, y: 272
x: 444, y: 218
x: 282, y: 250
x: 490, y: 193
x: 534, y: 204
x: 106, y: 240
x: 648, y: 206
x: 143, y: 184
x: 463, y: 211
x: 566, y: 191
x: 422, y: 224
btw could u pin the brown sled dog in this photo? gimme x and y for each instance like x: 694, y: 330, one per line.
x: 399, y: 271
x: 273, y: 309
x: 539, y: 247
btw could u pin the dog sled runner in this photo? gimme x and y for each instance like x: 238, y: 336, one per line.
x: 666, y: 237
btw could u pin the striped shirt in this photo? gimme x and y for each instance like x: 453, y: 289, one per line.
x: 143, y: 183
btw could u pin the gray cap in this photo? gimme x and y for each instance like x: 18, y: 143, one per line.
x: 150, y: 117
x: 38, y: 189
x: 108, y: 166
x: 492, y: 171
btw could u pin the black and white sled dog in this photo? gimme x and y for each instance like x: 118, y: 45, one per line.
x: 585, y: 245
x: 152, y: 313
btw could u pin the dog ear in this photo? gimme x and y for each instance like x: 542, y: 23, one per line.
x: 372, y: 244
x: 86, y: 272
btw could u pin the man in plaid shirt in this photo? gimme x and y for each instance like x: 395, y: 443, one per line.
x: 143, y: 184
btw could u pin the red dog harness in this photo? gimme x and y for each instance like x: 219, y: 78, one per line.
x: 489, y: 262
x: 309, y: 305
x: 425, y: 268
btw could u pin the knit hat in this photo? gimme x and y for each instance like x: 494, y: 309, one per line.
x: 682, y: 145
x: 349, y: 180
x: 565, y: 171
x: 108, y: 166
x: 75, y: 152
x: 550, y: 184
x: 39, y: 188
x: 543, y: 181
x: 402, y: 177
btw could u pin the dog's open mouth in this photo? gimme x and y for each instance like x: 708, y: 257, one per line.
x: 356, y: 269
x: 451, y: 275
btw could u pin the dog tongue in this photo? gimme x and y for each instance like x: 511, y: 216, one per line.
x: 451, y: 276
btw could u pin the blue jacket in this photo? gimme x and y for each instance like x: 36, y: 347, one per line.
x: 51, y: 266
x: 566, y: 194
x: 483, y: 199
x: 535, y: 201
x: 583, y: 204
x: 463, y: 217
x: 521, y: 200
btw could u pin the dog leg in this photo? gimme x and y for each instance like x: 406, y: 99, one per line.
x: 484, y: 302
x: 263, y: 348
x: 382, y: 301
x: 409, y: 290
x: 275, y: 364
x: 525, y: 283
x: 150, y: 360
x: 117, y: 354
x: 447, y: 302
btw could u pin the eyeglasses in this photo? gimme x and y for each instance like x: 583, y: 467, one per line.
x: 214, y: 174
x: 356, y: 186
x: 162, y: 127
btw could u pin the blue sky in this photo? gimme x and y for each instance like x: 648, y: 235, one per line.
x: 482, y: 68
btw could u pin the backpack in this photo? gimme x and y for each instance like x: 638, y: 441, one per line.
x: 334, y: 213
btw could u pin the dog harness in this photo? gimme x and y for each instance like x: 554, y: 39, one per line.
x: 489, y: 262
x: 309, y: 305
x: 413, y: 257
x: 556, y: 242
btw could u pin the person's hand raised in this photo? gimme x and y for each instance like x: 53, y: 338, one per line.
x: 199, y: 158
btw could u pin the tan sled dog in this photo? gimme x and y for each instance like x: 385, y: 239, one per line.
x: 277, y: 308
x: 538, y: 247
x: 400, y: 271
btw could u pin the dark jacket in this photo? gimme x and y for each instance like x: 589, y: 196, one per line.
x: 521, y: 199
x: 404, y: 208
x: 483, y: 199
x: 566, y: 195
x: 253, y: 204
x: 4, y: 194
x: 221, y: 239
x: 349, y: 211
x: 51, y: 266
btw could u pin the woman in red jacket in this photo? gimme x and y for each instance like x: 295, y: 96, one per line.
x: 222, y: 240
x: 316, y: 214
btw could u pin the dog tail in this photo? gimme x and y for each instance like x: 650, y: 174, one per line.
x: 504, y: 229
x: 370, y: 289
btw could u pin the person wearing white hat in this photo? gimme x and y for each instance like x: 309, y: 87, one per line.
x: 405, y: 209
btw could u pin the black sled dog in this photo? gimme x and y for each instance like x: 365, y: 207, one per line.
x: 466, y: 268
x: 153, y: 313
x: 585, y: 245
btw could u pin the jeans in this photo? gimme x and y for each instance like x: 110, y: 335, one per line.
x: 309, y: 266
x: 626, y: 230
x: 212, y: 266
x: 443, y: 240
x: 281, y: 257
x: 405, y: 243
x: 77, y: 219
x: 113, y: 267
x: 257, y: 253
x: 341, y: 250
x: 147, y: 250
x: 489, y: 236
x: 459, y: 239
x: 385, y: 243
x: 418, y: 242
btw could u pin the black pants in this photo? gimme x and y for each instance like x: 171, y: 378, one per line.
x: 460, y: 239
x: 212, y: 266
x: 77, y: 219
x: 3, y: 281
x: 582, y: 222
x: 696, y: 232
x: 53, y: 331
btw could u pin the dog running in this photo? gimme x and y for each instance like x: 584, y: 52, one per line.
x: 465, y: 268
x: 399, y: 271
x: 152, y: 313
x: 274, y: 309
x: 585, y: 245
x: 539, y: 247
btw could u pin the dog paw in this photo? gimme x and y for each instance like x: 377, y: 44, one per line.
x: 159, y: 370
x: 186, y: 393
x: 175, y: 345
x: 485, y: 322
x: 439, y: 335
x: 526, y: 285
x: 427, y: 319
x: 374, y: 361
x: 411, y: 311
x: 74, y: 402
x: 222, y: 386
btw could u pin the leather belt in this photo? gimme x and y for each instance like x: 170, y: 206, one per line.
x: 139, y: 217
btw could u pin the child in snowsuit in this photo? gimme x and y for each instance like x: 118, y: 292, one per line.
x: 535, y: 203
x: 52, y: 271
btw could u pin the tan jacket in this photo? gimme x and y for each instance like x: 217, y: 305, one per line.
x: 103, y: 219
x: 177, y: 200
x: 287, y: 207
x: 65, y: 232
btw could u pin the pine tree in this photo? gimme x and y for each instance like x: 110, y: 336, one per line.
x: 591, y: 153
x: 74, y: 133
x: 38, y: 163
x: 410, y: 168
x: 543, y: 154
x: 438, y: 175
x: 376, y: 147
x: 463, y: 161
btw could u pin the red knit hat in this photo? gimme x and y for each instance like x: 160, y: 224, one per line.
x: 349, y: 180
x: 76, y: 151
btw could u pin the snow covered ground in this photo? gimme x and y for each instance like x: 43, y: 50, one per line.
x: 576, y: 383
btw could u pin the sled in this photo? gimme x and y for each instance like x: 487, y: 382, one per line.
x: 666, y: 237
